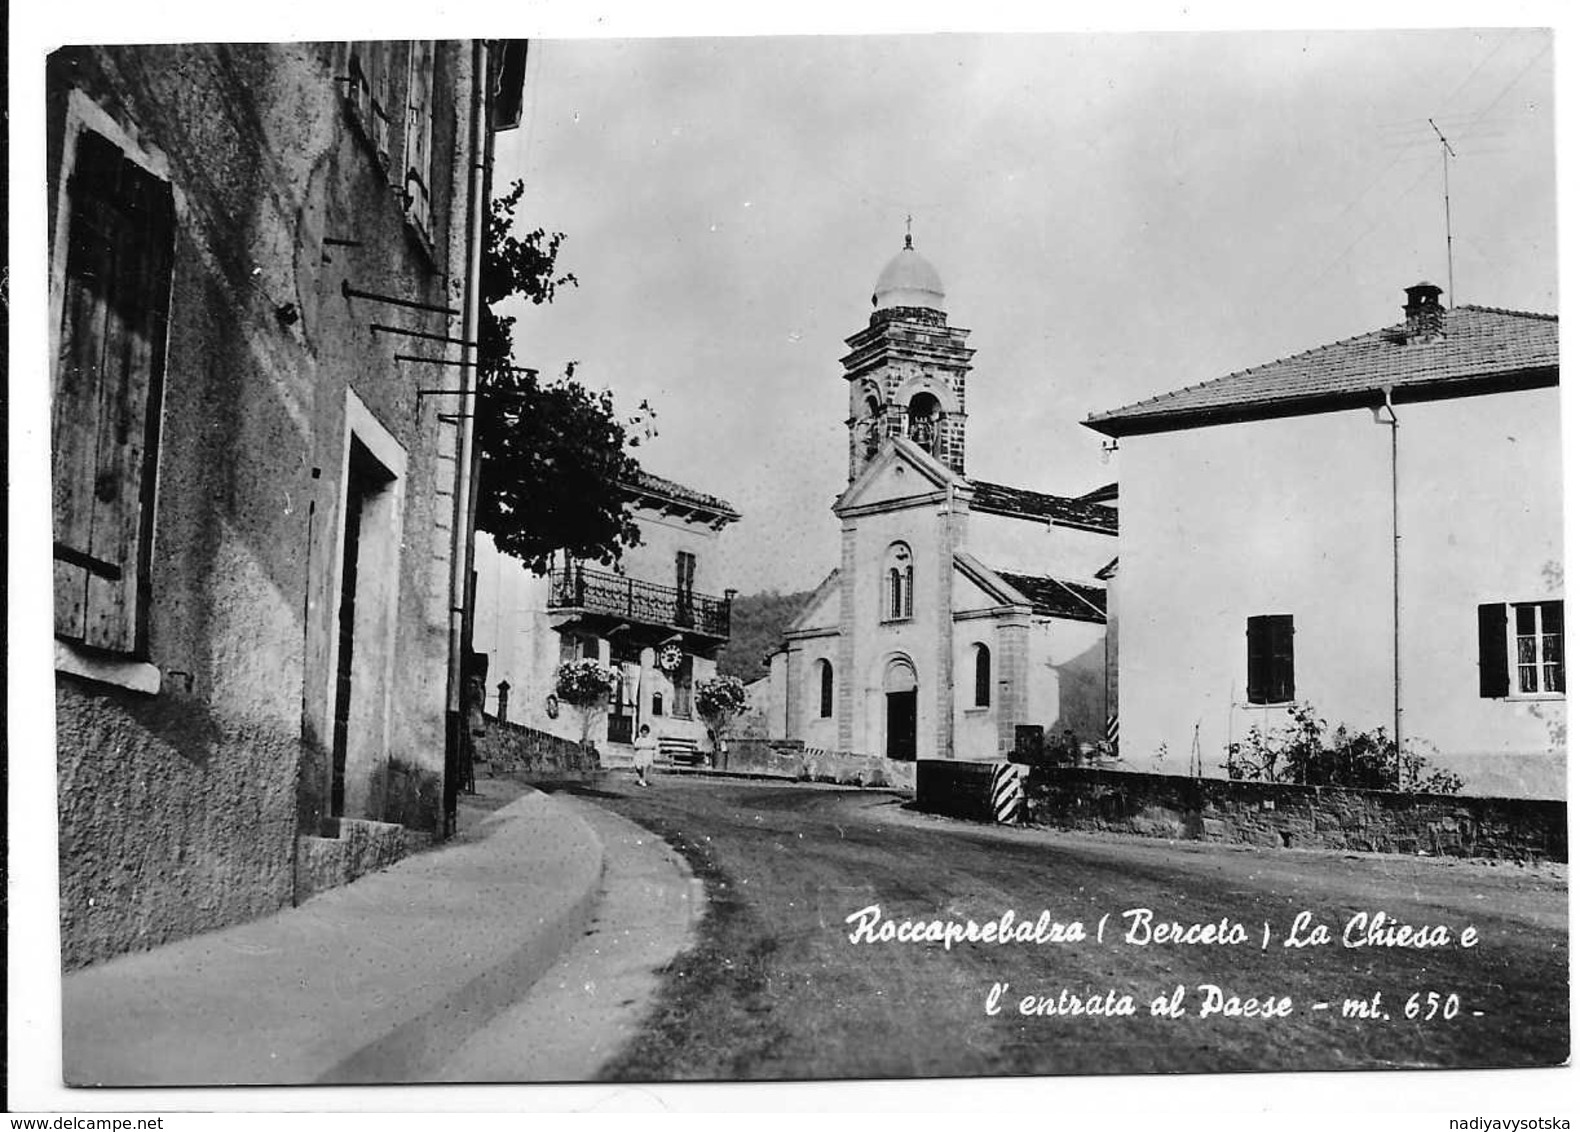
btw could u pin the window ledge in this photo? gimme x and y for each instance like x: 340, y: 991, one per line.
x: 417, y: 233
x: 896, y: 620
x: 1533, y: 697
x: 134, y: 675
x: 979, y: 709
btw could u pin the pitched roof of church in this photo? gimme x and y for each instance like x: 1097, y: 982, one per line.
x: 1083, y: 512
x: 1051, y: 597
x: 1480, y: 350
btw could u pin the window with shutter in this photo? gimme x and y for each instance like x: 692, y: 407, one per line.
x: 1529, y: 661
x: 685, y: 582
x: 108, y: 385
x: 1270, y: 659
x: 419, y: 134
x: 368, y: 68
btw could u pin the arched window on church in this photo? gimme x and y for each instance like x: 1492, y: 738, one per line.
x: 982, y: 661
x: 898, y: 575
x: 825, y: 689
x: 872, y: 427
x: 922, y: 419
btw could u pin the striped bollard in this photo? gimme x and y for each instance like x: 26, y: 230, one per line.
x: 1009, y: 795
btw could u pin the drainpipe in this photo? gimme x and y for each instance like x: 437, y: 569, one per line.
x: 1393, y: 438
x: 461, y: 527
x: 474, y: 473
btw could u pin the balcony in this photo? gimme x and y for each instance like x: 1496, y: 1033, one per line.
x: 599, y: 593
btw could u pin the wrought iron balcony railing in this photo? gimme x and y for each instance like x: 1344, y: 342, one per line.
x: 616, y: 595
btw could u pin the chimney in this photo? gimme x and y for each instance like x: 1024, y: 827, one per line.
x: 1423, y: 314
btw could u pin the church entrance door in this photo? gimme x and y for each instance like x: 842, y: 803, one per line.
x: 902, y: 725
x: 899, y: 691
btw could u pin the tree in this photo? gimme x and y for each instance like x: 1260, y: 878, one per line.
x: 585, y: 686
x: 553, y: 454
x: 757, y: 627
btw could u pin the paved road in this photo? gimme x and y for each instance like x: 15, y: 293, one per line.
x: 776, y: 989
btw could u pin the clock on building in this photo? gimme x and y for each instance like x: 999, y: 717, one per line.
x: 669, y: 657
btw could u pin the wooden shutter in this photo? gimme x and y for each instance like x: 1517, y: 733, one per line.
x: 379, y: 63
x: 1493, y: 630
x: 1256, y: 660
x: 368, y: 87
x: 1552, y: 646
x: 1270, y: 658
x: 1281, y: 657
x: 419, y: 133
x: 108, y: 377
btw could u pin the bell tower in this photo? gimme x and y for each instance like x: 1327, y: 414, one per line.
x: 907, y: 369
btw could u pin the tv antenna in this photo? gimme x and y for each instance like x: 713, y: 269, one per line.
x: 1448, y: 221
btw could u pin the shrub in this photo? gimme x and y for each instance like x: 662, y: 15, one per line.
x: 1304, y: 752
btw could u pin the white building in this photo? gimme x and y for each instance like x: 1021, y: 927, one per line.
x: 655, y: 617
x: 960, y: 609
x: 1259, y: 551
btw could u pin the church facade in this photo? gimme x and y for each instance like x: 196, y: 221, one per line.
x: 961, y: 610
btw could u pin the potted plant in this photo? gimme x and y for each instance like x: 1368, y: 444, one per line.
x: 585, y: 686
x: 719, y: 700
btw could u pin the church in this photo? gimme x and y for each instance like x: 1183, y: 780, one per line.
x: 962, y: 612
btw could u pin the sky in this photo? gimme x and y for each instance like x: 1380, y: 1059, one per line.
x: 1113, y: 216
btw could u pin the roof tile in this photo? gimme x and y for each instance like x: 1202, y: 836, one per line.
x: 657, y: 485
x: 997, y: 497
x: 1478, y: 343
x: 1051, y: 597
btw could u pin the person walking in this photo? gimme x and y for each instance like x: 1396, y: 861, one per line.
x: 646, y: 747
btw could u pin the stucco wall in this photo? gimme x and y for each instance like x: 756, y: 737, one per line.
x: 1293, y: 517
x: 663, y: 537
x: 173, y: 819
x: 177, y: 810
x: 878, y: 641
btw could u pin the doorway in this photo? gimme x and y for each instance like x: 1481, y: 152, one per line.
x: 899, y: 692
x: 361, y: 626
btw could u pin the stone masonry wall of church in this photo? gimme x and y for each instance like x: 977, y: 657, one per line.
x: 845, y: 670
x: 1013, y: 654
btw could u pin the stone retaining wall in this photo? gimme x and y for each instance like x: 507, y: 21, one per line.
x: 1278, y: 815
x: 955, y: 788
x: 532, y: 755
x: 810, y: 764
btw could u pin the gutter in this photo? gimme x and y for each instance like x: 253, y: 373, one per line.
x: 1539, y: 376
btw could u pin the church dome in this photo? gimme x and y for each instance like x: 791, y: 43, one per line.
x: 908, y: 280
